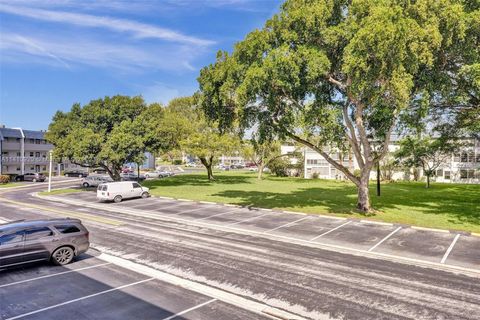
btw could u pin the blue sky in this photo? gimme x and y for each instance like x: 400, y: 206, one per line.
x: 54, y: 53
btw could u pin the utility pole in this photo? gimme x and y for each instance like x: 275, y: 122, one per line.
x: 50, y: 154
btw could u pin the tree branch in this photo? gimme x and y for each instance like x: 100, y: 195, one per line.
x: 352, y: 138
x: 337, y: 165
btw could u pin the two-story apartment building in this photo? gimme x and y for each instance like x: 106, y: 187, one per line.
x: 462, y: 167
x: 23, y: 151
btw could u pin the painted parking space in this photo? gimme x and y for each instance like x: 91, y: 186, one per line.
x: 399, y: 241
x: 267, y: 221
x: 309, y: 228
x: 91, y: 288
x: 356, y: 234
x: 418, y: 244
x: 465, y: 253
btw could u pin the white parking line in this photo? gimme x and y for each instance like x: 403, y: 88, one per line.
x: 190, y: 309
x: 252, y: 218
x: 315, y: 238
x: 218, y: 214
x: 78, y: 299
x: 52, y: 275
x: 388, y: 236
x: 287, y: 224
x: 445, y: 256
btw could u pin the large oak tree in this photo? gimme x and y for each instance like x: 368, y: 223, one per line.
x: 337, y: 75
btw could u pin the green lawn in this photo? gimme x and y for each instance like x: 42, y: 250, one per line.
x: 12, y: 184
x: 446, y: 206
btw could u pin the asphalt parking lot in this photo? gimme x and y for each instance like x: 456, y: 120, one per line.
x: 90, y: 288
x: 442, y: 247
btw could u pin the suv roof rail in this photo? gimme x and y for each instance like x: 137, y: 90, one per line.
x: 14, y: 221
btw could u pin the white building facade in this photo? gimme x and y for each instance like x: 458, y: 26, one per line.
x: 462, y: 167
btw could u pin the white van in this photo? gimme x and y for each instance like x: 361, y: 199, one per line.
x: 117, y: 191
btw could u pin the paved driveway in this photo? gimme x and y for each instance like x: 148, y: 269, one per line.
x: 440, y: 247
x: 90, y: 288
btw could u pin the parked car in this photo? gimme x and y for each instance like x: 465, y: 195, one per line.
x: 131, y: 177
x: 94, y: 181
x: 191, y: 164
x: 75, y: 173
x: 31, y: 176
x: 99, y: 171
x: 117, y: 191
x: 158, y: 174
x: 56, y: 240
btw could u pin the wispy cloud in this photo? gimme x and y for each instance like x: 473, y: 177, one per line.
x: 137, y: 29
x: 62, y: 51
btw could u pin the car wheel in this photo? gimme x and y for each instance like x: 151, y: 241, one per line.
x: 145, y: 195
x: 85, y: 185
x: 63, y: 256
x: 34, y: 180
x: 117, y: 199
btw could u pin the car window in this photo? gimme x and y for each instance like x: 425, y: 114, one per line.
x: 67, y: 228
x: 136, y: 185
x: 38, y: 233
x: 11, y: 237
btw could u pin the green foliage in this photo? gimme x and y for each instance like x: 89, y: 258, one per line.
x: 279, y: 167
x: 107, y: 132
x: 340, y: 74
x: 427, y: 153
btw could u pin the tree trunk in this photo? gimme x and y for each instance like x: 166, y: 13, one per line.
x: 209, y: 172
x: 260, y: 171
x: 428, y: 181
x: 363, y: 201
x: 208, y: 166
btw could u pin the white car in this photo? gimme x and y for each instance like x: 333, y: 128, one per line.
x: 158, y: 174
x: 117, y: 191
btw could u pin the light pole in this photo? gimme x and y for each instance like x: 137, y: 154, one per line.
x: 50, y: 171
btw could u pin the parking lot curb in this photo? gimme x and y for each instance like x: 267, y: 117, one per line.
x: 325, y: 246
x: 430, y: 229
x: 219, y: 294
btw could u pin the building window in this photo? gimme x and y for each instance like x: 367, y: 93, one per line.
x: 31, y: 140
x: 37, y: 154
x: 37, y: 141
x: 467, y: 174
x: 471, y: 156
x: 464, y: 157
x: 32, y: 168
x: 447, y: 175
x: 19, y: 154
x: 439, y: 173
x: 478, y: 157
x: 31, y: 154
x: 18, y: 168
x: 44, y: 168
x: 456, y: 157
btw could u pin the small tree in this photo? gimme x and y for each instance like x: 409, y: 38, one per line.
x: 427, y: 153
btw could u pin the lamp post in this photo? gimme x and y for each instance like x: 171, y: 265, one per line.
x: 50, y: 154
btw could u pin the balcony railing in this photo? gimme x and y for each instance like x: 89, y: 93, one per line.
x: 7, y: 159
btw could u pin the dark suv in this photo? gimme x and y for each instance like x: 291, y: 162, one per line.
x: 75, y: 173
x: 56, y: 240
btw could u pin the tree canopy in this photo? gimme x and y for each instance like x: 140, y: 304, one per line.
x: 338, y: 75
x: 107, y: 133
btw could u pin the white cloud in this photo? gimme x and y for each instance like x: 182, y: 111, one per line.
x: 137, y: 29
x: 64, y: 51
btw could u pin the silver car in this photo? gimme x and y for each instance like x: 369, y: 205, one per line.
x: 56, y: 240
x: 95, y: 181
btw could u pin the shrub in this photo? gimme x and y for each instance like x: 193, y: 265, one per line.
x: 315, y: 175
x: 4, y: 179
x: 279, y: 167
x: 177, y: 162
